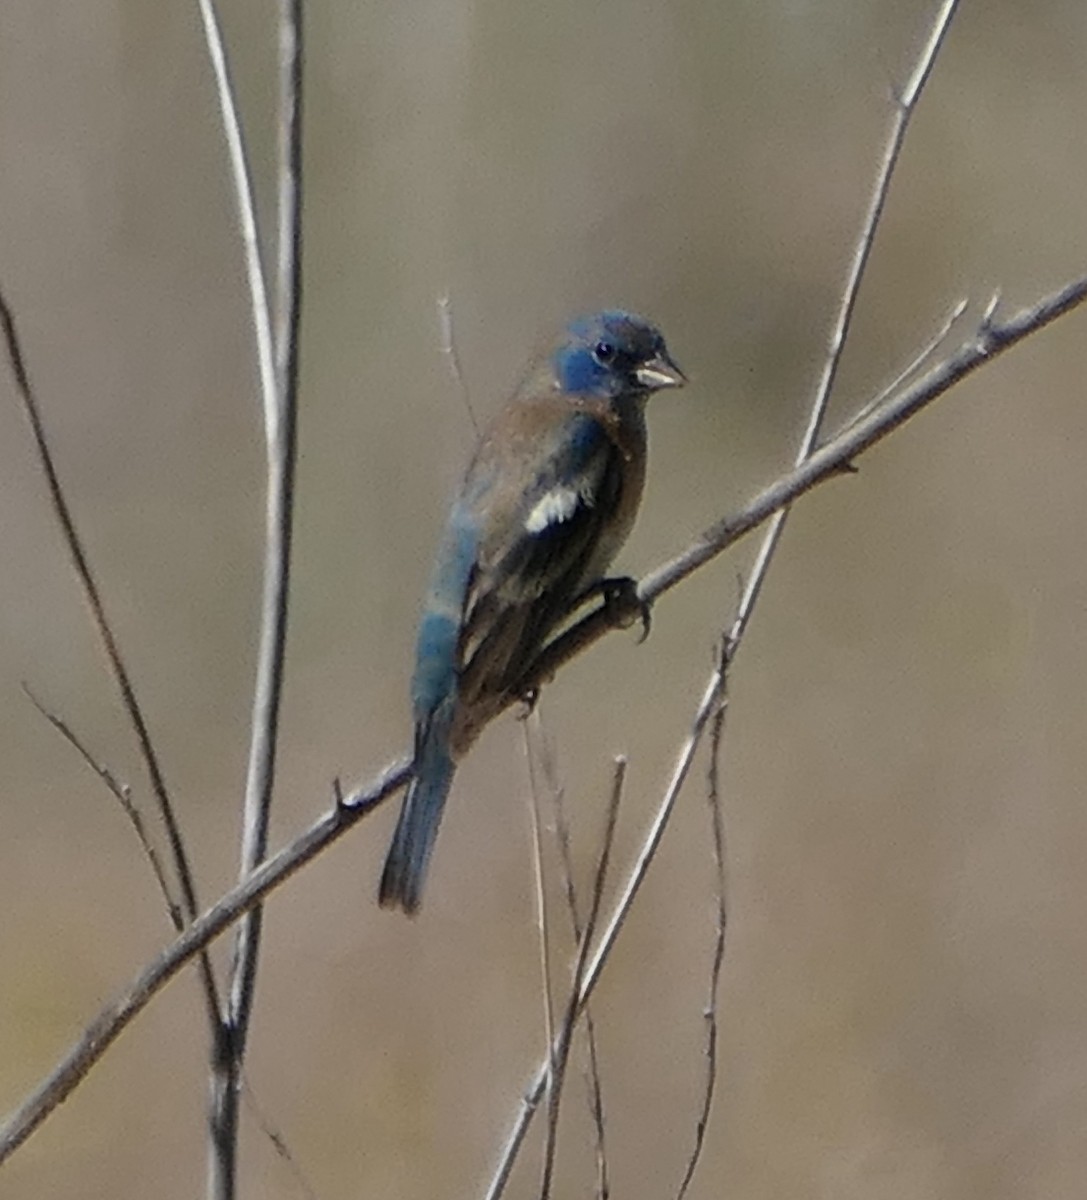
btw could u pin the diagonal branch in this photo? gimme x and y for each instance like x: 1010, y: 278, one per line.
x: 904, y: 110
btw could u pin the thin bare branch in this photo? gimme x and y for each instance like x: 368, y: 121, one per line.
x: 918, y: 360
x: 279, y: 1142
x: 123, y: 795
x: 279, y: 392
x: 543, y: 929
x: 595, y: 1093
x: 242, y: 178
x: 561, y: 1047
x: 110, y: 646
x: 672, y: 573
x: 717, y: 827
x: 281, y: 440
x: 596, y: 1110
x: 449, y: 349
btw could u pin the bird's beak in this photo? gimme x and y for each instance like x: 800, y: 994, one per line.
x: 660, y: 372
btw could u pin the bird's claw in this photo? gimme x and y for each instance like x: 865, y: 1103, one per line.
x: 623, y: 604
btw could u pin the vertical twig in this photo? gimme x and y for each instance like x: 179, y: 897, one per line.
x: 224, y: 1090
x: 717, y: 828
x: 245, y: 200
x: 277, y: 358
x: 561, y: 1046
x: 280, y: 424
x: 906, y: 104
x: 566, y: 861
x: 536, y: 820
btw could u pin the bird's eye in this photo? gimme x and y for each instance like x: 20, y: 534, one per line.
x: 604, y: 352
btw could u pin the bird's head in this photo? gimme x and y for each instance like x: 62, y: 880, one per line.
x: 613, y: 354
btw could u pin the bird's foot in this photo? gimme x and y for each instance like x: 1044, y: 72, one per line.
x: 623, y: 605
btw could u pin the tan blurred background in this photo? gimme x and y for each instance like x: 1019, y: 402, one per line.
x: 904, y: 1008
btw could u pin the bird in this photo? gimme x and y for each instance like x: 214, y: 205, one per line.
x: 549, y: 497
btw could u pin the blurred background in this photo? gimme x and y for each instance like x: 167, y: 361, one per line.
x: 903, y: 1006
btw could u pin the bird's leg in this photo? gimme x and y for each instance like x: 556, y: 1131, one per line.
x: 621, y: 603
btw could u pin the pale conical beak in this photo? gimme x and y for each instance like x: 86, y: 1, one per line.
x: 660, y: 372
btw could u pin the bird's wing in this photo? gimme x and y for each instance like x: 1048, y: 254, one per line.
x: 536, y: 550
x: 544, y: 526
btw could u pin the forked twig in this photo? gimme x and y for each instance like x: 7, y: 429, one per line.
x: 114, y: 658
x: 115, y: 1016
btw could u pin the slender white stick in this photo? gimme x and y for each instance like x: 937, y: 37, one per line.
x: 277, y: 360
x: 260, y: 309
x: 542, y: 927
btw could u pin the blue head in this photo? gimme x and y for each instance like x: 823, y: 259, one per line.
x: 613, y: 354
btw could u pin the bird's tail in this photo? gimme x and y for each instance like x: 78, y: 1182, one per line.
x: 421, y: 813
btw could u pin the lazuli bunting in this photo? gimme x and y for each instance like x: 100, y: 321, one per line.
x: 549, y: 497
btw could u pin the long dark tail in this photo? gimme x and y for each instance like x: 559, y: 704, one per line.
x: 421, y: 813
